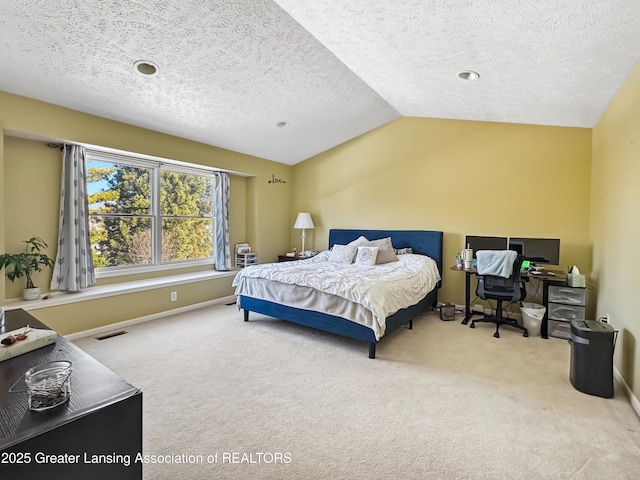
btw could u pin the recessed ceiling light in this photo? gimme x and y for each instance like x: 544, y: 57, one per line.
x: 469, y: 75
x: 144, y: 67
x: 282, y: 124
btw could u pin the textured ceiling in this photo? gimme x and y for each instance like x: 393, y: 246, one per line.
x: 230, y: 70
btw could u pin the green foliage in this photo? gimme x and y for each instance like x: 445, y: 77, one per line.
x: 121, y: 228
x: 186, y: 196
x: 23, y: 264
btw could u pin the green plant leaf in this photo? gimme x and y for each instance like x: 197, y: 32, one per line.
x: 18, y: 265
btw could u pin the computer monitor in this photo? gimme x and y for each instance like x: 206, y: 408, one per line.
x: 485, y: 243
x: 544, y: 251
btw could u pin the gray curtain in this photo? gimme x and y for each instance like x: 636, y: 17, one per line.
x: 221, y: 207
x: 73, y: 269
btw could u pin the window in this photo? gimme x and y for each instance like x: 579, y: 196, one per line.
x: 144, y: 213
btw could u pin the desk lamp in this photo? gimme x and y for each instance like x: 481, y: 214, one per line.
x: 303, y: 222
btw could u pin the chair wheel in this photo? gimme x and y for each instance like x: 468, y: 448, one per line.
x: 473, y: 325
x: 525, y: 334
x: 497, y: 335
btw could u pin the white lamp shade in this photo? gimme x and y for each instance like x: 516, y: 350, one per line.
x: 303, y: 221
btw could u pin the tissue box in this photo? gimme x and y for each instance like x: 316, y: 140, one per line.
x: 576, y: 280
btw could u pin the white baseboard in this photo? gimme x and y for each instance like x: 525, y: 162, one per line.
x: 147, y: 318
x: 635, y: 404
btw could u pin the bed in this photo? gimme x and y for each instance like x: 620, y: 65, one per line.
x: 269, y: 296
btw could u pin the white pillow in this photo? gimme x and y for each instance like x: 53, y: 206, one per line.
x: 361, y: 241
x: 343, y: 253
x: 366, y: 255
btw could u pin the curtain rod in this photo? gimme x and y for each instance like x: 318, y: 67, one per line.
x: 110, y: 152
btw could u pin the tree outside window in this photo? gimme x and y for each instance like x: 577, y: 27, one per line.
x: 148, y: 215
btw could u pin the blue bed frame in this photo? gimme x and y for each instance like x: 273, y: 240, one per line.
x: 425, y: 242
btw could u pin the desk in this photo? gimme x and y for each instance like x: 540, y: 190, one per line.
x: 559, y: 278
x: 102, y: 417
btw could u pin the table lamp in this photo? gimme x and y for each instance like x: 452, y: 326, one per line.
x: 303, y: 221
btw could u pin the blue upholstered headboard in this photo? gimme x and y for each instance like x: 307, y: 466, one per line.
x: 425, y: 242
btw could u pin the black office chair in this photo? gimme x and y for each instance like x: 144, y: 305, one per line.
x: 502, y: 289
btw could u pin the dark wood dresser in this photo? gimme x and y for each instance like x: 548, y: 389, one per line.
x: 286, y: 258
x: 96, y: 435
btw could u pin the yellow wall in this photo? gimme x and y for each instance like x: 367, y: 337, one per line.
x: 615, y: 223
x: 461, y: 177
x: 76, y: 317
x: 32, y: 192
x: 30, y: 189
x: 2, y: 207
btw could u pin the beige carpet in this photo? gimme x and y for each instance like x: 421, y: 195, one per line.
x: 441, y: 401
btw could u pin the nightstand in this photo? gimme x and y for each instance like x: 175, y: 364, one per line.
x: 287, y: 258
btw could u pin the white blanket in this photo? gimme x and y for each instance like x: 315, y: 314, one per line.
x: 383, y: 289
x: 496, y: 262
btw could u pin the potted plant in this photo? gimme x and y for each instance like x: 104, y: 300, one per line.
x: 24, y: 264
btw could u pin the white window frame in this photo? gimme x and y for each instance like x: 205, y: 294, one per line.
x: 155, y: 167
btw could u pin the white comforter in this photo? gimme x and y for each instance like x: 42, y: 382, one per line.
x: 382, y: 289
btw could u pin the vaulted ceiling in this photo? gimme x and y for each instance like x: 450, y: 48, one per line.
x: 287, y: 79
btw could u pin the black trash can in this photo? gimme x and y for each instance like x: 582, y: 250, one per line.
x: 592, y: 345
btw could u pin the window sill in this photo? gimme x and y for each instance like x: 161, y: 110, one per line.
x: 62, y: 298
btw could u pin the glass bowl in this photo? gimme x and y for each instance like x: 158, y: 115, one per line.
x: 49, y: 384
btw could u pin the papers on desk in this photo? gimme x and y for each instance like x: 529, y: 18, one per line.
x: 551, y: 275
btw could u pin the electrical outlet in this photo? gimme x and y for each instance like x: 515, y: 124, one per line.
x: 174, y: 296
x: 605, y: 318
